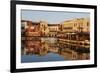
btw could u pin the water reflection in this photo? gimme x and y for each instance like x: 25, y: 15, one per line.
x: 40, y: 49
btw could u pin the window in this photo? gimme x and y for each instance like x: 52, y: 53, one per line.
x: 87, y: 23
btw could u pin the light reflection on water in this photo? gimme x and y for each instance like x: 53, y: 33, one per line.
x: 50, y: 49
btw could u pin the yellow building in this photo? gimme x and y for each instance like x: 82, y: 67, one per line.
x: 44, y: 28
x: 76, y: 25
x: 53, y: 29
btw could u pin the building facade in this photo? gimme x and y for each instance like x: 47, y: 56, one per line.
x: 44, y: 28
x: 30, y: 28
x: 76, y: 25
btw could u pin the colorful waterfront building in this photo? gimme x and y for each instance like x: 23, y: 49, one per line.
x: 76, y: 25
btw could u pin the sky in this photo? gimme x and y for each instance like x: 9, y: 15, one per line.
x: 51, y: 16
